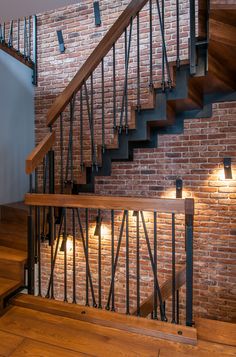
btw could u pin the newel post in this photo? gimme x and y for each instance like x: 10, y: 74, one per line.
x: 189, y: 214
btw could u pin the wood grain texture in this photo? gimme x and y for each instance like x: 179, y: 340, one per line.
x: 216, y: 331
x: 17, y: 55
x: 36, y: 156
x: 29, y: 348
x: 166, y: 290
x: 121, y: 322
x: 76, y: 335
x: 8, y: 343
x: 109, y: 202
x: 94, y: 59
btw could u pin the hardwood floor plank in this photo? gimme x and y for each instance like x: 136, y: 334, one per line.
x: 31, y: 348
x: 8, y: 343
x: 216, y: 331
x: 76, y: 335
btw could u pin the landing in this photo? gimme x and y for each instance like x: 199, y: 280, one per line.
x: 24, y: 331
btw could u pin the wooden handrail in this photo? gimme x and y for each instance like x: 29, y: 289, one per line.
x: 185, y: 206
x: 38, y: 153
x: 94, y: 59
x: 166, y: 291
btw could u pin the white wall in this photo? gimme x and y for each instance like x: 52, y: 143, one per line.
x: 16, y: 127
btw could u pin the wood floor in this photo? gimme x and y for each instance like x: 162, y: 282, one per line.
x: 27, y: 332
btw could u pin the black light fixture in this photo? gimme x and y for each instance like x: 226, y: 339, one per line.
x: 179, y: 188
x: 227, y: 168
x: 97, y: 231
x: 61, y: 41
x: 63, y: 244
x: 97, y: 13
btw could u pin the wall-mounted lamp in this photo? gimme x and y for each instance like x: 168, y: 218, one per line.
x: 179, y: 188
x: 97, y: 13
x: 63, y: 244
x: 227, y: 168
x: 60, y: 41
x: 98, y: 228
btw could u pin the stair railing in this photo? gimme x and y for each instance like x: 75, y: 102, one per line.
x: 94, y: 105
x: 98, y: 253
x: 19, y: 38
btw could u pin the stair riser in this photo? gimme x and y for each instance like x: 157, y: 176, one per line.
x: 12, y: 270
x: 14, y: 215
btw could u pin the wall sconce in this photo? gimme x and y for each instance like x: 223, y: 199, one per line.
x: 179, y: 188
x: 98, y: 228
x: 60, y: 41
x: 63, y: 244
x: 97, y: 13
x: 227, y: 168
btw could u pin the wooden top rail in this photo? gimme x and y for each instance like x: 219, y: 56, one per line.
x: 38, y: 153
x: 94, y: 59
x: 185, y: 206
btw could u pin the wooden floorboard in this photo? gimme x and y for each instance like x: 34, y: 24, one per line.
x: 30, y: 348
x: 216, y: 331
x: 26, y: 332
x: 104, y: 318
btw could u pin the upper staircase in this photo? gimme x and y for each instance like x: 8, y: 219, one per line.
x: 184, y: 89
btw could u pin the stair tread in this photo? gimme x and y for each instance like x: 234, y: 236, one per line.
x: 10, y: 254
x: 6, y: 227
x: 18, y: 205
x: 8, y: 285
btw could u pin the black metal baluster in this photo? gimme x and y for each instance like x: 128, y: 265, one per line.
x: 138, y: 64
x: 25, y: 37
x: 61, y: 155
x: 112, y: 261
x: 99, y: 263
x: 65, y: 255
x: 92, y: 125
x: 163, y: 81
x: 177, y: 35
x: 81, y: 132
x: 1, y: 34
x: 56, y: 251
x: 35, y: 51
x: 189, y: 270
x: 192, y: 49
x: 127, y: 263
x: 116, y: 261
x: 163, y: 316
x: 155, y: 264
x: 10, y: 38
x: 39, y: 254
x: 169, y: 81
x: 138, y: 264
x: 114, y: 87
x: 151, y: 46
x: 52, y: 238
x: 29, y: 38
x: 70, y: 156
x: 74, y: 257
x: 177, y: 307
x: 124, y: 106
x: 31, y: 237
x: 86, y: 257
x: 90, y: 117
x: 103, y: 109
x: 18, y: 35
x: 173, y: 270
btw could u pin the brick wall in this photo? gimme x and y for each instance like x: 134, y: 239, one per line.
x: 195, y: 156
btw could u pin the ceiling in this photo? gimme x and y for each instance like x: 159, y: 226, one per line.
x: 14, y: 9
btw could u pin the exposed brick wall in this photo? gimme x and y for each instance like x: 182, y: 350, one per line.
x: 195, y: 156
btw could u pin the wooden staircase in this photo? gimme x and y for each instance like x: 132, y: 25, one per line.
x: 13, y: 247
x: 164, y: 113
